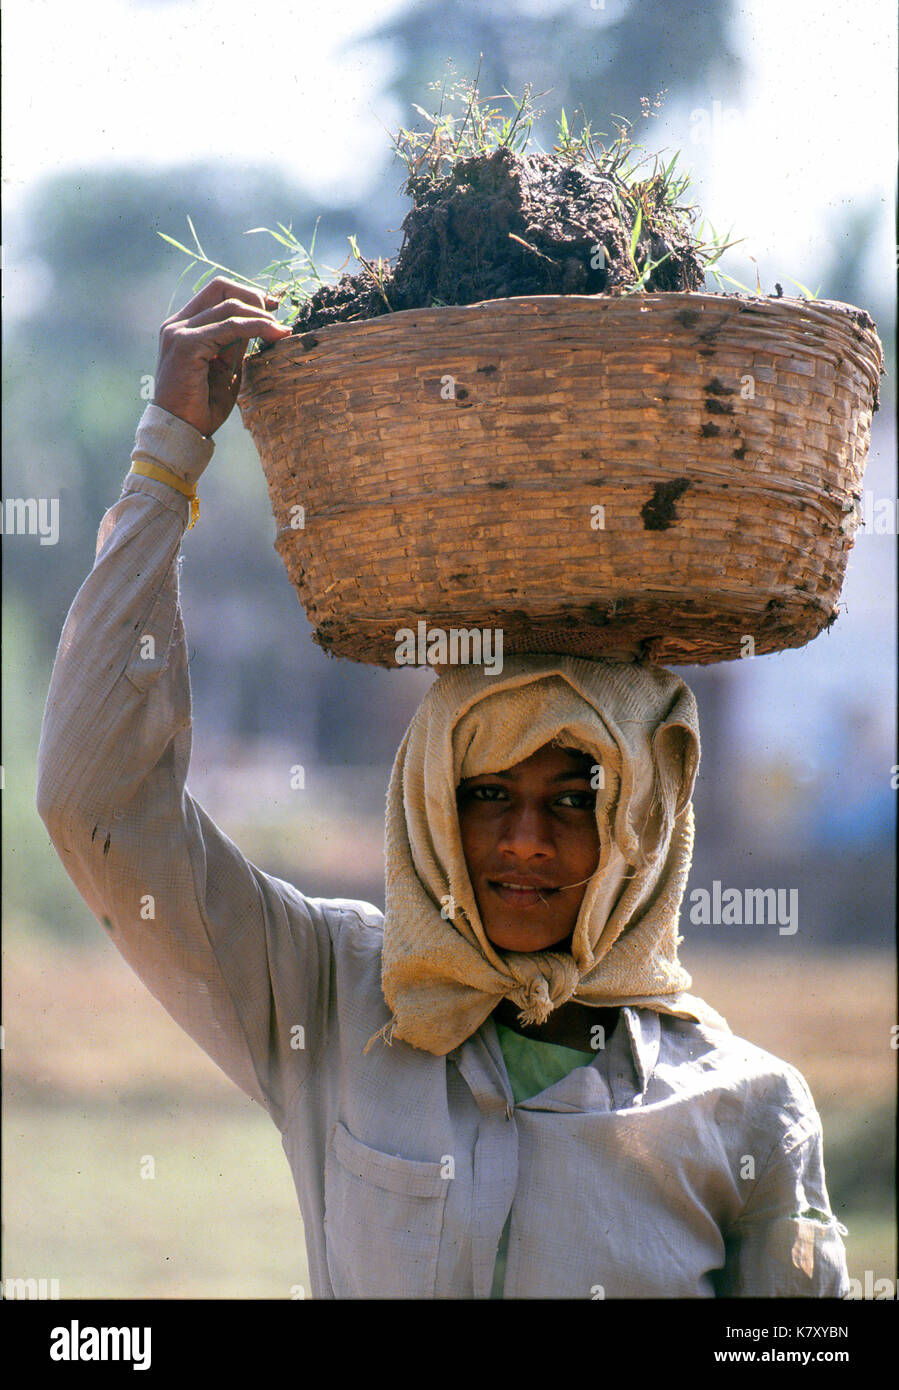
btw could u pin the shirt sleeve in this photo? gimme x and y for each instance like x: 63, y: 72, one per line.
x: 786, y: 1242
x: 240, y: 960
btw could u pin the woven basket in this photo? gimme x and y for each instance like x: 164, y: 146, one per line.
x: 663, y: 474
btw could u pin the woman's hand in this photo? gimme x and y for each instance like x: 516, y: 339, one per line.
x: 201, y: 351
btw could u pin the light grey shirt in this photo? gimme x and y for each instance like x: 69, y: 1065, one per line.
x: 680, y: 1163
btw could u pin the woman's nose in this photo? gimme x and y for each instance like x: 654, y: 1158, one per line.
x: 526, y: 832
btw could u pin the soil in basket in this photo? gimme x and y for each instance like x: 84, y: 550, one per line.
x: 508, y: 224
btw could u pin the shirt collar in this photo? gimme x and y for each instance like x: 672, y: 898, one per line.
x: 637, y: 1038
x: 644, y: 1032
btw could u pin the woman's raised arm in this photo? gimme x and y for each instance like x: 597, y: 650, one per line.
x: 239, y: 959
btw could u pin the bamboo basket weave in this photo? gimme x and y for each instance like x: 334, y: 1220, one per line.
x: 664, y: 474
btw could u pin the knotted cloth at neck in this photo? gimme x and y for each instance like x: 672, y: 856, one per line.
x: 441, y: 976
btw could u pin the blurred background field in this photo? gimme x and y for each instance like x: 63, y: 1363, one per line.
x: 797, y: 784
x: 98, y: 1079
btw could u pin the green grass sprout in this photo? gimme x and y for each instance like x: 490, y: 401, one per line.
x: 806, y: 293
x: 291, y: 279
x: 651, y: 196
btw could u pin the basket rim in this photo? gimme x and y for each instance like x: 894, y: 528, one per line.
x: 832, y: 311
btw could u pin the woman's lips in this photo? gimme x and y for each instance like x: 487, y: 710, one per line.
x: 521, y: 897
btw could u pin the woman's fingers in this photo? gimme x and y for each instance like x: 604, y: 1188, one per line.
x: 217, y: 291
x: 210, y: 332
x: 201, y: 350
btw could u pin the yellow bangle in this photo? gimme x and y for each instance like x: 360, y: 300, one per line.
x: 162, y: 475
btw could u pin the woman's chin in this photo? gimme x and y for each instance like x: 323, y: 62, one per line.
x: 507, y: 936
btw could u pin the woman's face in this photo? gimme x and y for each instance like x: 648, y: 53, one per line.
x: 530, y: 841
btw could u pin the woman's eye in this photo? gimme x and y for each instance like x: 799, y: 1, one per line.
x: 581, y: 801
x: 570, y: 801
x: 487, y: 793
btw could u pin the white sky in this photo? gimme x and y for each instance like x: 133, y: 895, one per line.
x: 817, y: 134
x: 149, y: 82
x: 120, y: 81
x: 131, y: 82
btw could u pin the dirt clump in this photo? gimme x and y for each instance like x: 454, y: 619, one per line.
x: 505, y: 224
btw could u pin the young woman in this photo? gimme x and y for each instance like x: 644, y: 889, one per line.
x: 500, y: 1087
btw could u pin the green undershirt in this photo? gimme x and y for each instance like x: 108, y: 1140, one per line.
x: 532, y: 1066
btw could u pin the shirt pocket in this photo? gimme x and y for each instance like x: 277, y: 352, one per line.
x: 383, y: 1220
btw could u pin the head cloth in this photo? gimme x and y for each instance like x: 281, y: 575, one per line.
x: 441, y: 976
